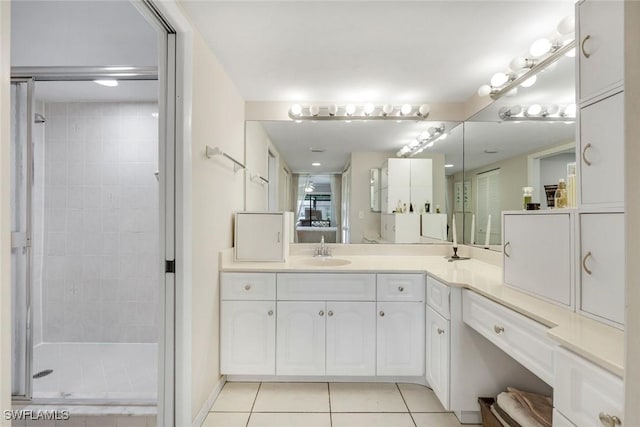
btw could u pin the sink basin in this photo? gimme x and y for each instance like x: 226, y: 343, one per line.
x: 326, y: 262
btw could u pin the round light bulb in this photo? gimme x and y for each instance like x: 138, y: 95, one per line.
x: 571, y: 53
x: 350, y: 109
x: 499, y: 79
x: 405, y: 110
x: 518, y: 63
x: 552, y: 110
x: 413, y: 143
x: 295, y: 110
x: 534, y: 110
x: 368, y: 108
x: 333, y: 109
x: 424, y: 135
x: 423, y: 111
x: 432, y: 131
x: 449, y: 165
x: 443, y: 137
x: 314, y: 110
x: 515, y: 110
x: 387, y: 109
x: 567, y: 25
x: 529, y: 82
x: 540, y: 47
x: 484, y: 90
x: 570, y: 110
x: 512, y: 92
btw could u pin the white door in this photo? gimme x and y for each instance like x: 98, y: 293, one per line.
x: 437, y: 356
x: 544, y: 272
x: 400, y: 336
x: 351, y: 338
x: 301, y: 338
x: 421, y: 183
x: 600, y: 46
x: 488, y: 206
x: 602, y: 152
x: 248, y: 337
x: 602, y: 274
x: 346, y: 195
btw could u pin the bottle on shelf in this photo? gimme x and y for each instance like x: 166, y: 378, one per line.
x: 527, y: 197
x: 571, y: 185
x: 427, y: 207
x: 560, y: 199
x: 411, y: 207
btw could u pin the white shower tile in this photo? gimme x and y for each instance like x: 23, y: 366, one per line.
x: 55, y: 109
x: 109, y: 268
x: 93, y: 197
x: 76, y: 128
x: 55, y: 219
x: 91, y: 220
x: 111, y: 196
x: 56, y: 243
x: 110, y: 175
x: 93, y: 150
x: 53, y: 290
x: 111, y: 220
x: 93, y: 173
x: 92, y: 244
x: 110, y: 243
x: 73, y: 291
x: 55, y: 197
x: 91, y: 293
x: 75, y: 172
x: 93, y: 128
x: 76, y: 151
x: 91, y: 267
x: 109, y: 290
x: 55, y: 267
x: 75, y: 240
x: 56, y: 127
x: 56, y: 174
x: 75, y: 197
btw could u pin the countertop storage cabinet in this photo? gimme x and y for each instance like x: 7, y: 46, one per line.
x: 400, y: 228
x: 406, y: 181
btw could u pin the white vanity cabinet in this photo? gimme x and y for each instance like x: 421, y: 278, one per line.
x: 600, y: 45
x: 438, y: 357
x: 400, y: 228
x: 400, y: 339
x: 602, y: 281
x: 544, y: 272
x: 301, y: 338
x: 262, y: 236
x: 248, y: 324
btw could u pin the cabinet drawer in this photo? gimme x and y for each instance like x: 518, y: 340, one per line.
x: 326, y: 287
x: 400, y: 287
x: 521, y: 338
x: 583, y: 391
x: 438, y: 297
x: 248, y: 286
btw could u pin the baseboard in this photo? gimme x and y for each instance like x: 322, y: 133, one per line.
x: 208, y: 404
x: 468, y: 417
x: 324, y: 378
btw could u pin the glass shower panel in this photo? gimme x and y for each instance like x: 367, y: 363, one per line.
x: 20, y: 236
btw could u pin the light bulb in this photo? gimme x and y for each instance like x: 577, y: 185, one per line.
x: 443, y: 137
x: 429, y: 145
x: 484, y: 90
x: 515, y: 110
x: 520, y: 62
x: 404, y: 150
x: 295, y: 110
x: 540, y: 47
x: 571, y: 53
x: 423, y: 111
x: 387, y: 109
x: 449, y: 165
x: 567, y: 25
x: 512, y: 92
x: 552, y: 110
x: 534, y: 110
x: 315, y: 164
x: 569, y: 110
x: 314, y: 110
x: 333, y: 109
x: 424, y: 136
x: 108, y: 83
x: 350, y: 109
x: 368, y: 108
x: 405, y: 110
x: 413, y: 143
x: 529, y: 82
x: 499, y: 79
x: 432, y: 131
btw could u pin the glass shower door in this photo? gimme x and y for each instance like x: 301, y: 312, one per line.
x: 21, y: 177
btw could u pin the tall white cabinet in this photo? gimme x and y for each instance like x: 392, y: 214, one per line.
x: 408, y: 181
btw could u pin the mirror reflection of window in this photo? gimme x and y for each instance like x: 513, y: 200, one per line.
x: 317, y: 208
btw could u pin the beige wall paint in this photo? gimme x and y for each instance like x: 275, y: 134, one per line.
x: 5, y: 226
x: 256, y: 158
x: 217, y: 120
x: 632, y: 217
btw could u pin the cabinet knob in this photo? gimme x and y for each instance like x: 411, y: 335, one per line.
x: 584, y: 154
x: 609, y: 420
x: 584, y: 263
x: 582, y: 46
x: 247, y: 287
x: 321, y: 313
x: 504, y: 249
x: 400, y: 288
x: 270, y: 312
x: 440, y: 331
x: 381, y: 313
x: 330, y: 313
x: 498, y: 329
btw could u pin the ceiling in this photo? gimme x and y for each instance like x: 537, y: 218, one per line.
x: 384, y: 51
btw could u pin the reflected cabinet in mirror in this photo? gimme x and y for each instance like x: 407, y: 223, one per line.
x: 516, y: 152
x: 348, y: 182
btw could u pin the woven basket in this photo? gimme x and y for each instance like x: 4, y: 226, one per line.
x: 488, y: 419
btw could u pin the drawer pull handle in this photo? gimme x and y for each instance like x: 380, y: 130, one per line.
x: 247, y: 287
x: 584, y: 155
x: 330, y: 313
x: 584, y: 41
x: 609, y: 420
x: 440, y: 331
x: 381, y: 313
x: 400, y: 288
x: 498, y: 329
x: 270, y: 312
x: 321, y: 313
x: 584, y: 263
x: 504, y: 249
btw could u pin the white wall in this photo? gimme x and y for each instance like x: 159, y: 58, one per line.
x: 257, y: 144
x: 217, y: 193
x: 5, y: 227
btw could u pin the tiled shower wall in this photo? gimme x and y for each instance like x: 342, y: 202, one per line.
x: 101, y: 249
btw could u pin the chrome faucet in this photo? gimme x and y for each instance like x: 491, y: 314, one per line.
x: 322, y: 250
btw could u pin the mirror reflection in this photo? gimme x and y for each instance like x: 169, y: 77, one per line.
x: 515, y: 162
x: 347, y: 184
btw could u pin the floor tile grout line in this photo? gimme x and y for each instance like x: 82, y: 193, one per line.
x: 405, y: 404
x: 330, y: 411
x: 254, y: 403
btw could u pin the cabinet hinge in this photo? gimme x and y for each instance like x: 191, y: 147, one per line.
x: 170, y: 266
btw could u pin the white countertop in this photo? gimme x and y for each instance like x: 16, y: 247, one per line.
x: 593, y: 340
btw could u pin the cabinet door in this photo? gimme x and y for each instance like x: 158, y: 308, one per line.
x: 351, y: 338
x: 260, y: 237
x: 602, y: 152
x: 400, y: 333
x: 398, y: 193
x: 437, y: 357
x: 247, y: 337
x: 301, y: 338
x: 602, y: 275
x: 399, y: 173
x: 545, y: 272
x: 600, y: 46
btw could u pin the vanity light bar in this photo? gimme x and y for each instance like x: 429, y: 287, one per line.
x: 538, y: 113
x: 424, y: 140
x: 366, y: 111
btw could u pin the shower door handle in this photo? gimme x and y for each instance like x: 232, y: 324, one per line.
x: 20, y: 239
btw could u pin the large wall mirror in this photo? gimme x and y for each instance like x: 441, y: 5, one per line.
x: 346, y: 180
x: 506, y: 152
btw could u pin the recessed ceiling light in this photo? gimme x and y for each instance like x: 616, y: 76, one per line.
x: 108, y: 83
x: 448, y: 166
x: 315, y: 164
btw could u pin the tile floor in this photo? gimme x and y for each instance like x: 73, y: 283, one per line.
x: 328, y: 405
